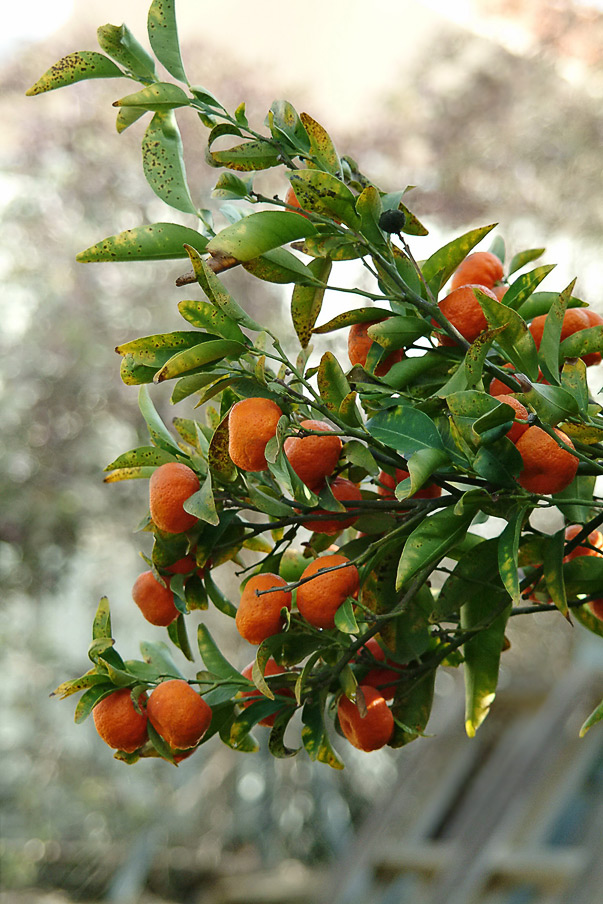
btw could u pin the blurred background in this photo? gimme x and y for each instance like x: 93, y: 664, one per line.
x: 492, y: 108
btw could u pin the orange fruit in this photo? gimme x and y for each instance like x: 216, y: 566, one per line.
x: 259, y: 617
x: 389, y: 483
x: 272, y: 668
x: 547, y: 468
x: 313, y: 457
x: 497, y: 387
x: 380, y: 677
x: 291, y: 200
x: 596, y: 607
x: 482, y: 268
x: 251, y: 424
x: 520, y: 412
x: 178, y: 713
x: 319, y: 599
x: 595, y: 538
x: 359, y: 343
x: 118, y: 723
x: 170, y: 486
x: 344, y: 491
x: 154, y: 601
x: 575, y: 320
x: 463, y: 310
x: 369, y: 732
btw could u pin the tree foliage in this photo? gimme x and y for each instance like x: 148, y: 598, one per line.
x: 435, y: 585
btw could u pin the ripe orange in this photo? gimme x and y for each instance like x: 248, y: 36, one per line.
x: 380, y: 677
x: 251, y: 424
x: 463, y: 310
x: 359, y: 343
x: 178, y: 713
x: 431, y: 491
x: 373, y: 730
x: 521, y: 411
x: 575, y: 320
x: 252, y: 696
x: 291, y: 200
x: 547, y: 468
x: 595, y: 538
x: 186, y: 565
x: 596, y: 607
x: 319, y: 599
x: 154, y: 601
x: 118, y: 723
x: 482, y: 268
x: 313, y: 457
x: 259, y: 617
x: 497, y: 387
x: 344, y: 491
x: 169, y: 487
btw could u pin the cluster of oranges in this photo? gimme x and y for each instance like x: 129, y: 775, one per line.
x: 174, y: 709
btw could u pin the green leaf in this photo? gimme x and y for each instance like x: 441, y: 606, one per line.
x: 280, y: 266
x: 482, y: 656
x: 405, y: 429
x: 584, y: 574
x: 163, y: 162
x: 334, y: 247
x: 398, y: 332
x: 541, y: 303
x: 154, y: 351
x: 583, y: 342
x: 90, y: 698
x: 198, y: 356
x: 160, y: 745
x: 75, y: 685
x: 160, y: 97
x: 324, y: 194
x: 306, y: 301
x: 119, y: 42
x: 499, y: 463
x: 595, y: 716
x: 553, y: 570
x: 163, y: 35
x: 440, y: 266
x: 213, y: 659
x: 126, y: 116
x: 258, y: 233
x: 369, y: 209
x: 588, y: 620
x: 217, y: 293
x: 356, y: 315
x: 314, y: 735
x: 573, y: 380
x: 412, y: 708
x: 202, y: 505
x: 149, y: 456
x: 75, y: 67
x: 551, y: 403
x: 475, y: 575
x: 548, y: 353
x: 411, y: 369
x: 524, y: 257
x: 332, y: 382
x: 524, y: 286
x: 101, y: 627
x: 421, y: 465
x: 218, y: 598
x: 179, y: 637
x: 508, y: 551
x: 250, y: 156
x: 157, y: 429
x: 230, y: 186
x: 276, y: 744
x: 218, y: 456
x: 431, y: 541
x: 345, y: 619
x: 582, y: 487
x: 159, y: 656
x: 285, y: 123
x: 206, y: 316
x: 157, y: 241
x: 322, y: 148
x: 516, y: 339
